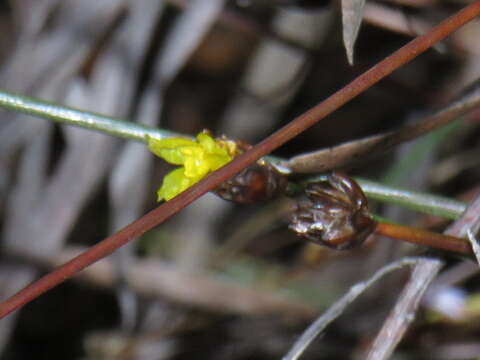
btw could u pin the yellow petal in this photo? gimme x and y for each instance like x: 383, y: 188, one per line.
x: 198, y: 158
x: 172, y: 156
x: 196, y: 167
x: 192, y: 151
x: 170, y: 143
x: 217, y: 161
x: 169, y: 149
x: 206, y: 142
x: 212, y: 146
x: 174, y: 183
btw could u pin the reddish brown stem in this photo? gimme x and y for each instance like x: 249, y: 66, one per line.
x: 295, y: 127
x: 424, y: 237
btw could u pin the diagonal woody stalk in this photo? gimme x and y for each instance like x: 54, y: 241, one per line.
x: 303, y: 122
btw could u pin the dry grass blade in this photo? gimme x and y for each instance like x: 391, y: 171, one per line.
x: 18, y: 235
x: 274, y: 74
x: 472, y: 238
x: 190, y: 30
x: 423, y: 274
x: 359, y: 150
x: 162, y: 280
x: 49, y: 201
x: 393, y: 19
x: 32, y: 15
x: 187, y: 34
x: 352, y: 15
x: 339, y: 307
x: 130, y: 174
x: 63, y: 44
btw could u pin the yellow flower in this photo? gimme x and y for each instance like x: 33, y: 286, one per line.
x: 198, y: 157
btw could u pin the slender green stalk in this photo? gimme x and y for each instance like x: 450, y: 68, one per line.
x: 425, y: 203
x: 88, y: 120
x: 85, y: 119
x: 421, y: 202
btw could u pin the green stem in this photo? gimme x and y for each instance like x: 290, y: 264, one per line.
x: 84, y: 119
x: 88, y: 120
x: 426, y: 203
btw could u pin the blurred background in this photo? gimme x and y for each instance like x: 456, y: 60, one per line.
x: 218, y: 281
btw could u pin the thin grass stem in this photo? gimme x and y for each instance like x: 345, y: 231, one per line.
x: 425, y: 203
x: 80, y: 118
x: 422, y: 202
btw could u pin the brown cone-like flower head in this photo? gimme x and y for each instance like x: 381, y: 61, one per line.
x: 333, y: 213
